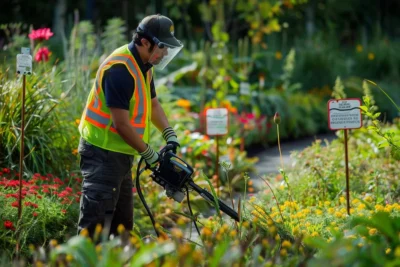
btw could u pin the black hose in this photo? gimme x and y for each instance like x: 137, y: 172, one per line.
x: 191, y: 212
x: 139, y: 190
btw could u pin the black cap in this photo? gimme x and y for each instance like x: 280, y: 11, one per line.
x: 159, y: 28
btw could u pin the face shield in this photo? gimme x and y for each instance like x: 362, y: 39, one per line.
x: 162, y: 54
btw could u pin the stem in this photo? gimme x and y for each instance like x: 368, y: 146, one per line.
x: 279, y: 146
x: 276, y: 200
x: 391, y: 100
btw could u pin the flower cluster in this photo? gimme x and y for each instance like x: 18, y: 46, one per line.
x: 43, y: 53
x: 33, y: 193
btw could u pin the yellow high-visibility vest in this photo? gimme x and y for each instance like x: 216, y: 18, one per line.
x: 96, y: 124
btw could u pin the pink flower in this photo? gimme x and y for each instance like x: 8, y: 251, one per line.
x: 42, y: 54
x: 40, y: 34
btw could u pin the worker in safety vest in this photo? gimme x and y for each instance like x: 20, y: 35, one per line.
x: 115, y: 124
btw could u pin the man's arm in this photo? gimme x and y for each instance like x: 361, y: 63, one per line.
x: 158, y: 117
x: 121, y: 122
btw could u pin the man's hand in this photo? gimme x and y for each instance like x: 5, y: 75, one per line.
x: 150, y: 156
x: 171, y: 138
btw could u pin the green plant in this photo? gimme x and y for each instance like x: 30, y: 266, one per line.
x: 389, y: 136
x: 47, y: 130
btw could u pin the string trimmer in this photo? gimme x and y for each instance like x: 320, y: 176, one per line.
x: 175, y: 176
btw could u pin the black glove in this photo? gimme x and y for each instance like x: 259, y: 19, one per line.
x: 171, y: 138
x: 150, y: 156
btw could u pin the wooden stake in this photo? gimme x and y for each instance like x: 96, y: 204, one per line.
x: 216, y: 163
x: 21, y: 157
x: 347, y: 171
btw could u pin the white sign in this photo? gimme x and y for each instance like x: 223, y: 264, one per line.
x: 344, y: 114
x: 24, y: 62
x: 217, y: 121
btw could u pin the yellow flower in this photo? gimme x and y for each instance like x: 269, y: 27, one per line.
x: 75, y: 152
x: 84, y: 232
x: 53, y: 243
x: 372, y: 231
x: 388, y: 250
x: 180, y: 221
x: 206, y: 231
x: 184, y: 250
x: 397, y: 252
x: 177, y: 233
x: 339, y: 214
x: 318, y: 212
x: 78, y: 121
x: 120, y: 228
x: 283, y: 252
x: 233, y: 233
x: 371, y: 56
x: 98, y: 229
x: 286, y: 244
x: 278, y: 55
x: 342, y: 200
x: 379, y: 207
x: 314, y: 234
x: 359, y: 48
x: 183, y: 103
x: 197, y: 256
x: 69, y: 258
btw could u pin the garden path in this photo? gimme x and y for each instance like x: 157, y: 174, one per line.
x: 269, y: 161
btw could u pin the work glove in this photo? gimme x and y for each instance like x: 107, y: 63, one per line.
x: 170, y: 137
x: 150, y: 156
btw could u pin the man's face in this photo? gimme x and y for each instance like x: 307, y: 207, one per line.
x: 157, y: 55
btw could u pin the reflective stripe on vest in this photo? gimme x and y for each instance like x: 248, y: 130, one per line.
x: 95, y: 116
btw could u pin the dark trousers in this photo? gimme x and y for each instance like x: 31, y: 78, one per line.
x: 106, y: 188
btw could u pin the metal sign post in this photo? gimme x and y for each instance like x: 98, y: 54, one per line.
x: 24, y: 67
x: 344, y: 114
x: 217, y: 125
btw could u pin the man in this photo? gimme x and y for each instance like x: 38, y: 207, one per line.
x: 115, y: 124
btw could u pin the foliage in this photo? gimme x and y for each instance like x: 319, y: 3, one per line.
x: 47, y: 130
x: 368, y: 242
x: 49, y: 210
x: 113, y: 35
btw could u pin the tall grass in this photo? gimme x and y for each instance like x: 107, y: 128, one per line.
x: 48, y: 147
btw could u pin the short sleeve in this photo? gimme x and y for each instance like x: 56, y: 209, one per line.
x: 118, y: 86
x: 152, y: 89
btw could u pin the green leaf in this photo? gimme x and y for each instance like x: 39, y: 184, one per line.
x: 151, y: 252
x: 219, y: 253
x: 316, y: 242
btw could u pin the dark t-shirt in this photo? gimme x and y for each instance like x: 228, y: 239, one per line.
x: 119, y: 85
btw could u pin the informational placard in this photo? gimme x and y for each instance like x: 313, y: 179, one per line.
x: 217, y: 121
x: 344, y: 114
x: 24, y: 62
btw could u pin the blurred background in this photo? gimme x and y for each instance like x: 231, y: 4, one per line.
x: 254, y: 57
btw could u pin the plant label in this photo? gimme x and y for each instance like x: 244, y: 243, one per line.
x: 344, y: 114
x: 24, y: 62
x: 217, y: 121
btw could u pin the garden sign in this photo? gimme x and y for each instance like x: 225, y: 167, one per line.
x: 217, y: 125
x: 344, y: 114
x: 24, y: 67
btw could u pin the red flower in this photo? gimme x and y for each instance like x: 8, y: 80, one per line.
x: 34, y: 214
x: 6, y: 170
x: 9, y: 225
x: 15, y: 204
x: 42, y: 54
x: 63, y: 211
x: 40, y: 34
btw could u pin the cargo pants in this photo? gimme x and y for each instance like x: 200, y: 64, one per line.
x: 106, y: 189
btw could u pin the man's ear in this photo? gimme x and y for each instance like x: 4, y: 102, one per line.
x: 145, y: 42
